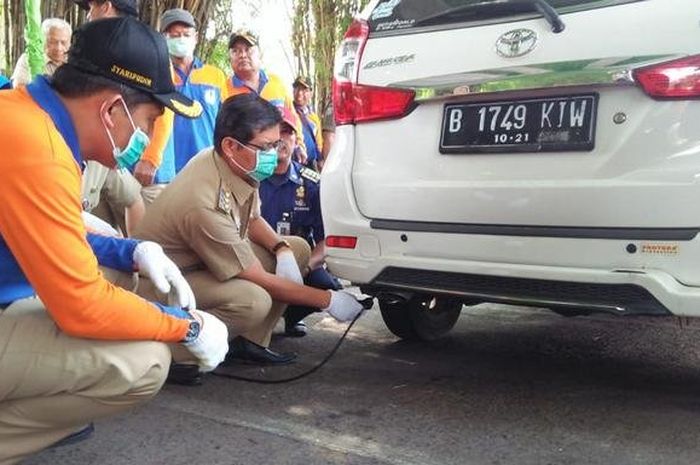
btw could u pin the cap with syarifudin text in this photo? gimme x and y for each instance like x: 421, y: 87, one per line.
x: 128, y: 51
x: 127, y: 7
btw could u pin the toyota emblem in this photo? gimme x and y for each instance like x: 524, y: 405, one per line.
x: 516, y: 43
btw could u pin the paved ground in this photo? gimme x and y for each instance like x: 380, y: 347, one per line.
x: 507, y: 386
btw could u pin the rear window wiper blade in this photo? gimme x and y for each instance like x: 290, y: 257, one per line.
x: 544, y: 8
x: 549, y: 13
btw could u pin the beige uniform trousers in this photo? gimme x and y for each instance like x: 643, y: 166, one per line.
x: 246, y: 308
x: 52, y: 385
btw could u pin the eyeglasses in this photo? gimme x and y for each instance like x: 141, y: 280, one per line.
x: 241, y: 51
x: 276, y: 145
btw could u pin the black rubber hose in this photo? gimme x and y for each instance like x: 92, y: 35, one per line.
x: 366, y: 304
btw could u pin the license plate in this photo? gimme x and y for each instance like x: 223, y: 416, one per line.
x: 556, y: 124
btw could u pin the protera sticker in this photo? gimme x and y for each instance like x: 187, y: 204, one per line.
x: 655, y: 248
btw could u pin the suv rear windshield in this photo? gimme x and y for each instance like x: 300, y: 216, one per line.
x: 404, y: 15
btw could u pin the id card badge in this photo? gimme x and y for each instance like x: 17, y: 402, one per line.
x: 284, y: 228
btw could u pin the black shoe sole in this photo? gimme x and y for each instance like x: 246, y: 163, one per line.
x: 184, y: 375
x: 78, y: 436
x: 244, y: 361
x: 293, y: 332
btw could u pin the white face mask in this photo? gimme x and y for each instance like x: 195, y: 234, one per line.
x: 181, y: 47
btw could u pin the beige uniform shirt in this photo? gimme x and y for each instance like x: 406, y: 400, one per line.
x: 201, y: 218
x: 118, y: 187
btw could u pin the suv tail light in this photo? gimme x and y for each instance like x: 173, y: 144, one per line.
x: 341, y: 242
x: 354, y: 103
x: 677, y: 79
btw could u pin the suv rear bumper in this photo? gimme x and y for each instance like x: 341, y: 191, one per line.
x: 571, y: 297
x: 631, y: 292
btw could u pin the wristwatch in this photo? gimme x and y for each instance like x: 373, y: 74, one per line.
x: 279, y: 245
x: 192, y: 331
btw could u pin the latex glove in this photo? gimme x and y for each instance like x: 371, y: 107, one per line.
x: 287, y: 267
x: 154, y: 264
x: 344, y: 306
x: 211, y: 346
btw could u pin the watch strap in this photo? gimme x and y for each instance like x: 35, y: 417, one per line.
x: 279, y: 245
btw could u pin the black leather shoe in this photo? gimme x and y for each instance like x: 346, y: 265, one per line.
x: 78, y: 436
x: 184, y: 375
x: 293, y: 316
x: 297, y: 329
x: 242, y: 350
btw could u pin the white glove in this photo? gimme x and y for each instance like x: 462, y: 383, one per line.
x: 152, y: 263
x: 211, y: 345
x: 344, y: 306
x: 287, y: 267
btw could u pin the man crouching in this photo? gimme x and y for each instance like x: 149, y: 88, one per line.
x: 208, y: 221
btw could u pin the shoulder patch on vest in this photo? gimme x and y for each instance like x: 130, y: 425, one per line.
x: 311, y: 175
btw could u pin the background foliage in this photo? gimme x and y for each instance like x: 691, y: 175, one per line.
x: 14, y: 20
x: 317, y: 28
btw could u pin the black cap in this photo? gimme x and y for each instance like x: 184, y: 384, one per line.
x: 128, y: 51
x: 245, y: 35
x: 302, y: 81
x: 176, y: 15
x: 127, y: 7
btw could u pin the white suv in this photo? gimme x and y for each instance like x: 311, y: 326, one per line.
x: 534, y: 152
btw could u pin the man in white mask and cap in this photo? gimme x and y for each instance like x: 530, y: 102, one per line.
x: 200, y: 82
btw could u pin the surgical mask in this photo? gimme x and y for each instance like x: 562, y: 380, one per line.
x: 265, y: 163
x: 181, y: 47
x: 127, y: 157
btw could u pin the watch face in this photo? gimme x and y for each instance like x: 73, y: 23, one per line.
x: 193, y: 331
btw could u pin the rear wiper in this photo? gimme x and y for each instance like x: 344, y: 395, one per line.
x: 544, y: 8
x: 549, y: 13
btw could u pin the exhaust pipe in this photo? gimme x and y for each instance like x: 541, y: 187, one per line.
x: 395, y: 297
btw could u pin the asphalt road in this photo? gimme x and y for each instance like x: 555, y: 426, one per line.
x: 506, y: 386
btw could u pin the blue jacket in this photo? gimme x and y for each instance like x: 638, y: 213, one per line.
x: 207, y: 85
x: 296, y: 193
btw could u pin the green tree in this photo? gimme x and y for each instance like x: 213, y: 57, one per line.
x: 318, y: 27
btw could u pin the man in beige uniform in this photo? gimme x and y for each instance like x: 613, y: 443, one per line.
x: 208, y: 221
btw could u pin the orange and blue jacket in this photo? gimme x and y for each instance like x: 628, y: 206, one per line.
x: 187, y: 137
x: 311, y: 130
x: 44, y: 247
x: 162, y: 128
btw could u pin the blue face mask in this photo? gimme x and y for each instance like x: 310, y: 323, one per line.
x: 265, y: 163
x: 127, y: 157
